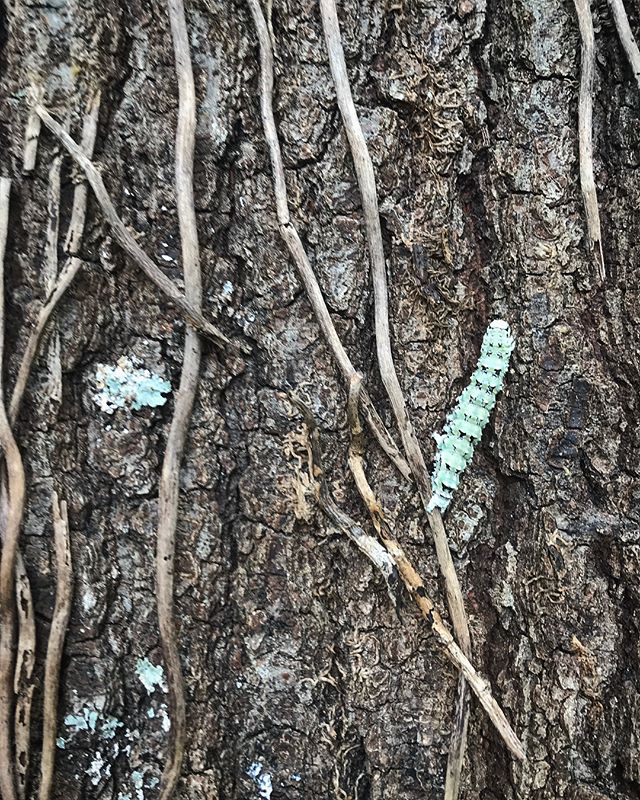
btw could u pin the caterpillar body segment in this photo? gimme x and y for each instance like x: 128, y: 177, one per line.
x: 464, y: 425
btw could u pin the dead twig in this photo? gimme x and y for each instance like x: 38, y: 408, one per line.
x: 50, y: 274
x: 55, y: 286
x: 25, y: 662
x: 169, y: 481
x: 126, y: 241
x: 296, y: 249
x: 55, y: 647
x: 71, y: 267
x: 585, y: 134
x: 366, y: 182
x: 16, y: 486
x: 406, y: 570
x: 626, y: 36
x: 31, y: 136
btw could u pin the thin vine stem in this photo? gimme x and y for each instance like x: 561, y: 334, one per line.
x: 185, y: 398
x: 8, y: 558
x: 585, y: 133
x: 367, y: 185
x: 296, y: 249
x: 55, y: 646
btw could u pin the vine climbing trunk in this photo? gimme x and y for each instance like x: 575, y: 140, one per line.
x: 241, y: 625
x: 169, y: 500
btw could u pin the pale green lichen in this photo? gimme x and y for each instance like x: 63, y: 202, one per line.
x: 85, y: 720
x: 89, y: 718
x: 98, y: 769
x: 109, y: 727
x: 127, y: 386
x: 139, y: 781
x: 151, y: 675
x: 137, y: 778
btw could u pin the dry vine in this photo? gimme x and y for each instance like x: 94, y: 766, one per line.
x: 294, y: 244
x: 169, y: 480
x: 366, y: 182
x: 126, y: 241
x: 410, y: 577
x: 585, y: 134
x: 70, y: 268
x: 16, y: 498
x: 626, y: 37
x: 26, y: 650
x: 59, y: 623
x: 23, y: 685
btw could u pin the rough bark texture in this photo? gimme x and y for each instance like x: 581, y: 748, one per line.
x: 301, y: 680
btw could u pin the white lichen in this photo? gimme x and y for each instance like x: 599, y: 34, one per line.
x: 262, y: 779
x: 127, y: 386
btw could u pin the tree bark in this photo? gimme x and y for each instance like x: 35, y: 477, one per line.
x: 301, y: 679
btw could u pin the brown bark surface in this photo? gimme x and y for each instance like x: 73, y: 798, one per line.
x: 301, y: 679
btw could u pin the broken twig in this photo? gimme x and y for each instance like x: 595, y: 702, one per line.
x: 126, y: 240
x: 55, y: 647
x: 585, y: 134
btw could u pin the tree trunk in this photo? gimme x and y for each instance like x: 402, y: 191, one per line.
x: 301, y: 679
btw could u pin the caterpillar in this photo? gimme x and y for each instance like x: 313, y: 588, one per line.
x: 464, y: 425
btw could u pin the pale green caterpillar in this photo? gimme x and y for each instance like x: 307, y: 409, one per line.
x: 465, y: 423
